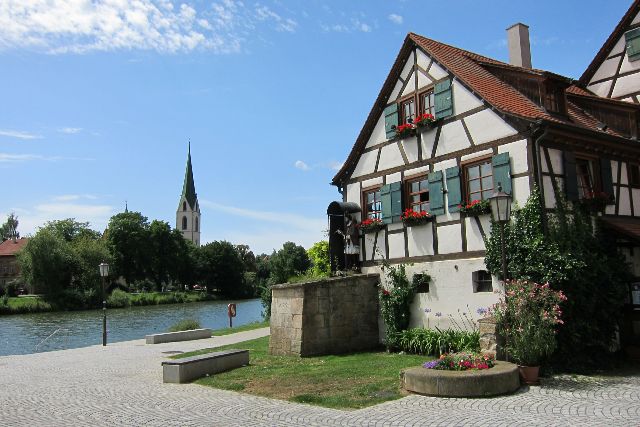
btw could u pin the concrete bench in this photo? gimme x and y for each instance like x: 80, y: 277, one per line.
x: 194, y: 334
x: 190, y: 368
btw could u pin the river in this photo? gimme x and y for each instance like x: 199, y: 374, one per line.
x: 31, y: 333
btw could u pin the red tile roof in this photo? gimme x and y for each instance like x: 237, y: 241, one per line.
x: 9, y: 247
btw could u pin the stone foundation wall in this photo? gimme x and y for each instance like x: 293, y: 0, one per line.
x: 490, y: 341
x: 330, y: 316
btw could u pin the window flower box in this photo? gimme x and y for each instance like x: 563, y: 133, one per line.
x: 411, y: 218
x: 596, y: 201
x: 371, y: 225
x: 425, y: 121
x: 475, y: 208
x: 405, y: 130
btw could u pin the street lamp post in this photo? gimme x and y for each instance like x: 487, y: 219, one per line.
x: 104, y: 272
x: 501, y: 208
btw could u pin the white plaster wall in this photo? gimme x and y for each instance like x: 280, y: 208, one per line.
x: 396, y: 91
x: 366, y: 164
x: 635, y: 193
x: 607, y: 69
x: 420, y: 240
x: 636, y: 19
x: 625, y: 85
x: 410, y: 146
x: 464, y: 100
x: 475, y: 242
x: 521, y: 190
x: 624, y: 205
x: 411, y: 86
x: 428, y: 139
x: 416, y: 171
x: 628, y: 65
x: 486, y: 126
x: 556, y: 161
x: 378, y: 135
x: 624, y: 179
x: 423, y: 80
x: 436, y: 72
x: 396, y: 245
x: 610, y: 209
x: 619, y: 47
x: 449, y: 239
x: 369, y: 239
x: 601, y: 89
x: 371, y: 182
x: 476, y: 154
x: 407, y: 67
x: 517, y: 155
x: 353, y: 193
x: 423, y: 59
x: 390, y: 157
x: 452, y: 138
x: 549, y: 197
x: 394, y: 177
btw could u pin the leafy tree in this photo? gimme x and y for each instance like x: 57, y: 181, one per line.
x: 88, y: 254
x: 222, y: 269
x: 9, y: 229
x: 128, y: 241
x: 288, y: 261
x: 575, y: 257
x: 164, y: 253
x: 248, y: 258
x: 69, y: 229
x: 319, y: 256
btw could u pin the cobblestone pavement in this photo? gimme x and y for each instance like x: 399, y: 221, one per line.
x: 121, y: 384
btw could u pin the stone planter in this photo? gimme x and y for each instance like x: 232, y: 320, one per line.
x: 529, y: 374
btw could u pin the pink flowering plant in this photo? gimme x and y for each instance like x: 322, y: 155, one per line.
x: 461, y: 362
x: 527, y: 316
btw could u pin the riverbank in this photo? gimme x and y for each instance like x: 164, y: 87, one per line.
x: 118, y: 299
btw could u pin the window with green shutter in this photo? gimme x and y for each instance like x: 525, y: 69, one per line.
x: 632, y: 39
x: 478, y: 180
x: 443, y: 99
x: 436, y: 194
x: 502, y: 172
x: 391, y: 199
x: 454, y: 189
x: 391, y: 120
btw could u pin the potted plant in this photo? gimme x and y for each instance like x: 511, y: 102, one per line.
x: 405, y: 130
x: 370, y: 225
x: 527, y: 318
x: 424, y: 120
x: 475, y: 208
x: 411, y: 218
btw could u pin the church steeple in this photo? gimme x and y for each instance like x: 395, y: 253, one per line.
x: 188, y: 213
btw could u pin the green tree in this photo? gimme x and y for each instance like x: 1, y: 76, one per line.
x: 69, y: 229
x: 128, y: 241
x: 88, y: 252
x: 164, y: 253
x: 9, y: 229
x: 319, y: 256
x: 287, y: 262
x: 222, y: 269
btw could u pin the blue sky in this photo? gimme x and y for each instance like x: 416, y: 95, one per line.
x: 98, y: 99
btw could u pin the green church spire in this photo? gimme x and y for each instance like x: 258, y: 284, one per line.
x: 189, y: 188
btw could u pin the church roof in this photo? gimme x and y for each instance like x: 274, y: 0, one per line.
x: 189, y: 188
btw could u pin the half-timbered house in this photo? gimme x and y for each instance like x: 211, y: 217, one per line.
x: 498, y: 124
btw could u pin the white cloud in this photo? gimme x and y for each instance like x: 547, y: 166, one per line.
x: 72, y: 197
x: 396, y: 19
x: 361, y: 26
x: 302, y: 165
x: 13, y: 158
x: 80, y: 26
x: 356, y: 25
x: 336, y: 166
x: 18, y: 133
x: 69, y: 130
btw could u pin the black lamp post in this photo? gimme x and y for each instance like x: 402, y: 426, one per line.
x: 501, y: 208
x: 104, y: 272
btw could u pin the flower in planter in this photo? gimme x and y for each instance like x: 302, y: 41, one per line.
x: 404, y: 130
x: 370, y: 224
x: 475, y: 208
x: 597, y: 201
x: 410, y: 217
x: 461, y: 362
x: 425, y: 119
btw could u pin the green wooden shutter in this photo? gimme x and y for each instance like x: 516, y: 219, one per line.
x: 605, y: 174
x: 632, y: 39
x: 570, y: 176
x: 391, y: 120
x: 443, y: 99
x: 454, y: 189
x: 501, y: 172
x: 436, y: 195
x: 391, y: 199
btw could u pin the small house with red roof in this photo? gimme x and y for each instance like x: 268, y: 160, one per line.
x: 449, y: 127
x: 9, y: 269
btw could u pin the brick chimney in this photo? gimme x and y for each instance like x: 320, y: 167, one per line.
x: 519, y: 48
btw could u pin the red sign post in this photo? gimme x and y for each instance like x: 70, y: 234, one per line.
x: 231, y: 311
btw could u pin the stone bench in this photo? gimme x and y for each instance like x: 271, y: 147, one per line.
x: 190, y: 368
x: 194, y: 334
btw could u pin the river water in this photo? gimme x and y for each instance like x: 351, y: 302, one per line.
x: 31, y: 333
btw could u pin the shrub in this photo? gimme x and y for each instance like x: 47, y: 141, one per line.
x: 185, y: 325
x: 119, y: 299
x: 11, y: 289
x: 436, y: 342
x: 395, y: 303
x: 144, y: 299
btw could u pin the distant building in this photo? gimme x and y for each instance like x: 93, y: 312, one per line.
x: 9, y: 269
x: 188, y: 214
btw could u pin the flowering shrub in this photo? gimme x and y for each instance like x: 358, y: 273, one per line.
x: 597, y: 201
x: 410, y: 217
x: 406, y: 129
x: 370, y: 224
x: 395, y: 303
x: 475, y: 208
x: 424, y: 120
x: 461, y: 362
x: 527, y: 317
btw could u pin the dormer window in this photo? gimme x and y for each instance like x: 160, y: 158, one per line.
x: 553, y: 99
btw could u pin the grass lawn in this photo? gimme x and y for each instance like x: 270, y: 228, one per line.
x: 247, y: 327
x: 348, y: 381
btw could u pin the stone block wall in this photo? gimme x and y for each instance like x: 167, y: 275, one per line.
x: 490, y: 341
x: 329, y: 316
